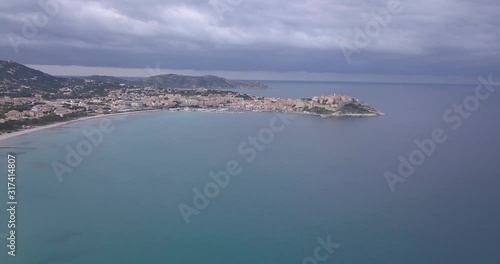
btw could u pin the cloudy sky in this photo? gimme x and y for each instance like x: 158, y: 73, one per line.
x: 412, y: 41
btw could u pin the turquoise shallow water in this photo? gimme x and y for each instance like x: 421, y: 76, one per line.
x: 318, y: 177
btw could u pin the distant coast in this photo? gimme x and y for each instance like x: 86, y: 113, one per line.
x: 31, y: 100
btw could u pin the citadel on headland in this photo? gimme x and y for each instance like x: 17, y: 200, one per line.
x: 30, y: 98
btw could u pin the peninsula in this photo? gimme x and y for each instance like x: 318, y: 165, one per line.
x: 30, y: 98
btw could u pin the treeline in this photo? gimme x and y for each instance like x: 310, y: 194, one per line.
x: 14, y: 125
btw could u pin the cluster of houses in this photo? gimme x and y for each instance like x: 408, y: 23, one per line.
x: 122, y: 100
x: 34, y: 107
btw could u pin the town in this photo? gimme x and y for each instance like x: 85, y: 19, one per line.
x: 30, y: 98
x: 149, y: 98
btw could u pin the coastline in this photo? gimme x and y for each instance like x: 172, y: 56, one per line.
x: 15, y: 134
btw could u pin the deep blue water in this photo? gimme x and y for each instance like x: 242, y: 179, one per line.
x: 317, y: 178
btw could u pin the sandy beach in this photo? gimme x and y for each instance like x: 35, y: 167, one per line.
x: 6, y: 136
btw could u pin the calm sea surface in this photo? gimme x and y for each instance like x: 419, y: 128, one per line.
x: 317, y: 178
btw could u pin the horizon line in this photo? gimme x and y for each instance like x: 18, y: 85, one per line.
x: 84, y: 71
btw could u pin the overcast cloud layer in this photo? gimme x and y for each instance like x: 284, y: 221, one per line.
x: 428, y: 37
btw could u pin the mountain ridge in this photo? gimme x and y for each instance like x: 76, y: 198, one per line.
x: 194, y: 82
x: 20, y: 80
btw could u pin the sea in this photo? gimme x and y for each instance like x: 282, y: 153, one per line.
x: 420, y: 185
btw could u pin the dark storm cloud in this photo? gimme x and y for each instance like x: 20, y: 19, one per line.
x: 436, y: 37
